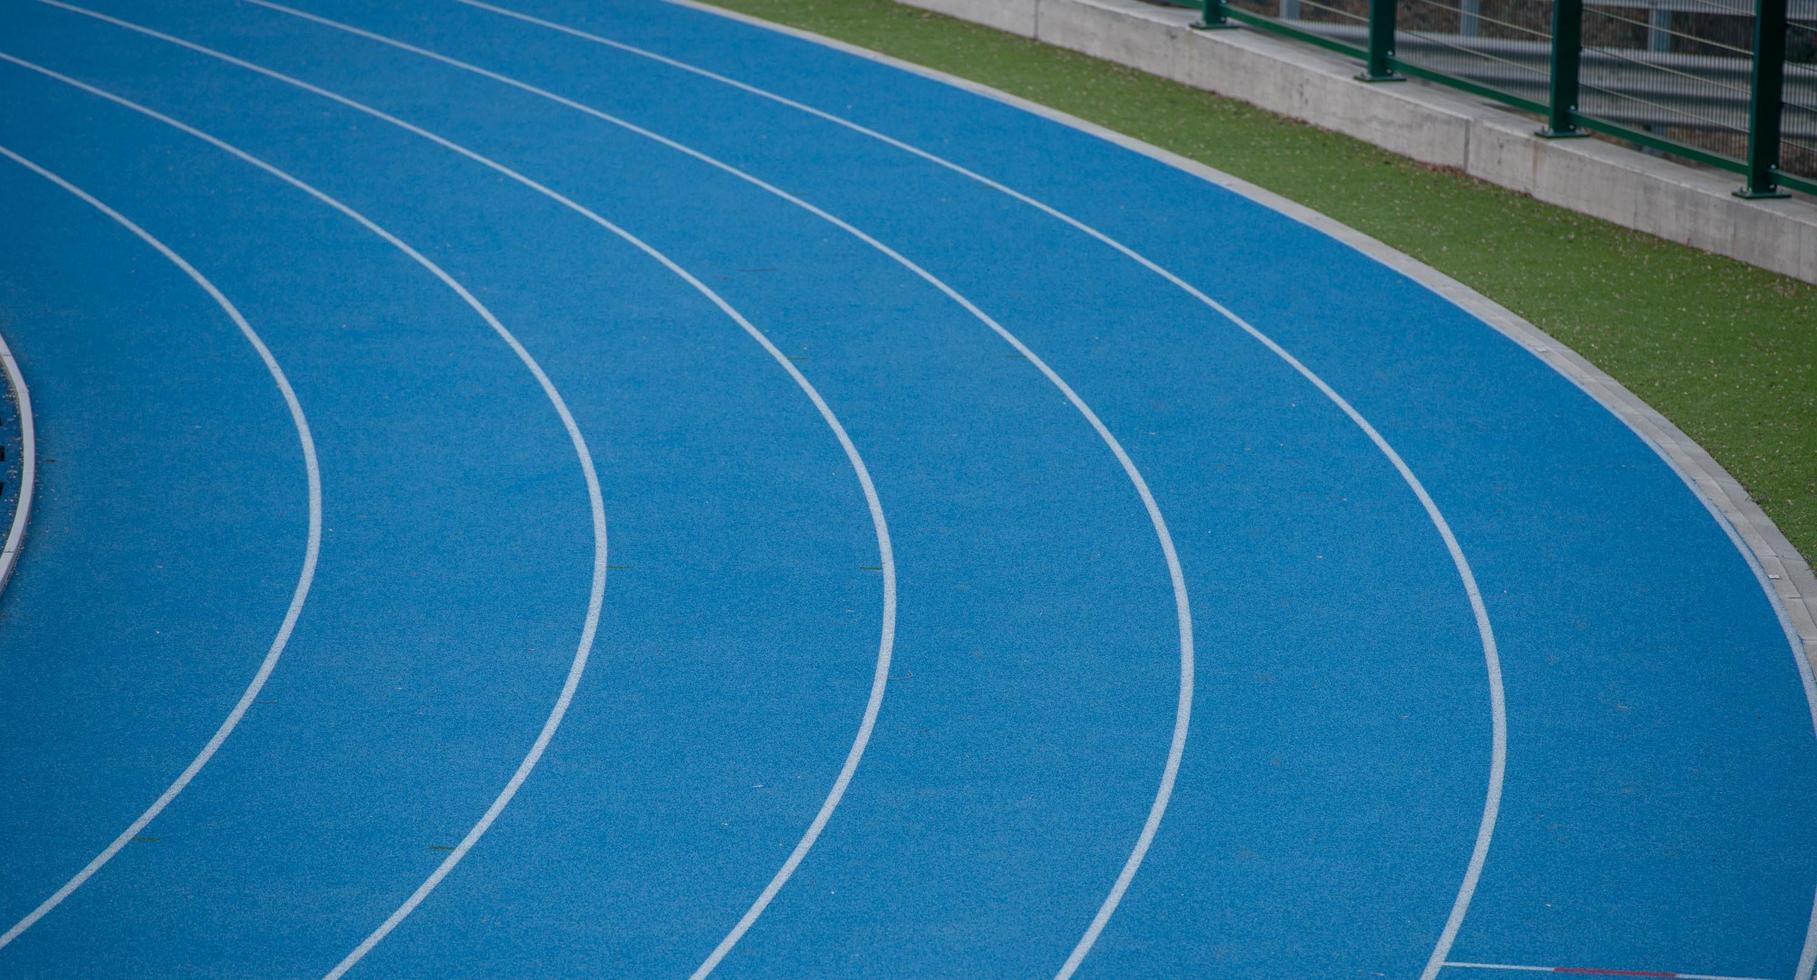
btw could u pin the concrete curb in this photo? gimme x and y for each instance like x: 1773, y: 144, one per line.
x: 1784, y: 575
x: 1430, y: 123
x: 28, y: 461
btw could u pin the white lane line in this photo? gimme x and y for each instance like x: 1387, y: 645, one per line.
x: 28, y: 466
x: 311, y: 549
x: 886, y: 553
x: 1485, y: 631
x: 1586, y: 971
x: 591, y: 625
x: 1183, y: 709
x: 1690, y: 462
x: 1604, y: 390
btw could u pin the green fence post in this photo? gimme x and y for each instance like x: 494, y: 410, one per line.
x: 1214, y: 18
x: 1766, y: 100
x: 1567, y: 55
x: 1380, y: 67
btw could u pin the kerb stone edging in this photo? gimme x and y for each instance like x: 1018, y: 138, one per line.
x: 1430, y: 123
x: 1784, y: 574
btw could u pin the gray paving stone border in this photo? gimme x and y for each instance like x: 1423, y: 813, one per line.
x: 1428, y: 122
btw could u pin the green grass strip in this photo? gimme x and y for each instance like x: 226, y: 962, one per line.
x: 1727, y: 351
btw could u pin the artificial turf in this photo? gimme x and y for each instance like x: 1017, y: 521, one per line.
x: 1725, y: 350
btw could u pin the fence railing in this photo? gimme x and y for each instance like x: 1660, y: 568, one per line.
x: 1728, y: 83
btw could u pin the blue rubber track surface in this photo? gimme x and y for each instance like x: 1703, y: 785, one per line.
x: 844, y: 403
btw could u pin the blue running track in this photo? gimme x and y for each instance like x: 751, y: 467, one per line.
x: 612, y: 489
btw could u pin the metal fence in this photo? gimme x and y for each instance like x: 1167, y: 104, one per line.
x: 1728, y: 83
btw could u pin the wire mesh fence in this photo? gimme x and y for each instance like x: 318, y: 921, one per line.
x: 1500, y: 43
x: 1705, y: 79
x: 1318, y: 12
x: 1680, y: 74
x: 1798, y: 118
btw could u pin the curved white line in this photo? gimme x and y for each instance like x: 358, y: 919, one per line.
x: 1486, y: 633
x: 1620, y: 403
x: 1807, y: 953
x: 28, y: 466
x: 1183, y: 709
x: 879, y: 678
x: 591, y: 626
x: 886, y: 553
x: 310, y: 550
x: 1725, y: 500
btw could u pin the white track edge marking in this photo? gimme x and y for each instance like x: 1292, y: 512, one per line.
x: 880, y: 675
x: 1723, y: 497
x: 1498, y: 750
x: 311, y: 550
x: 591, y: 625
x: 1183, y: 709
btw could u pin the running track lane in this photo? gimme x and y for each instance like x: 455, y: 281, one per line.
x: 1120, y: 496
x: 203, y: 506
x: 1082, y: 880
x: 773, y: 446
x: 685, y: 107
x: 1645, y: 836
x: 397, y: 534
x: 311, y: 551
x: 980, y: 291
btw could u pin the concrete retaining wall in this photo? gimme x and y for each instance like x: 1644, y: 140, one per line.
x: 1429, y: 123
